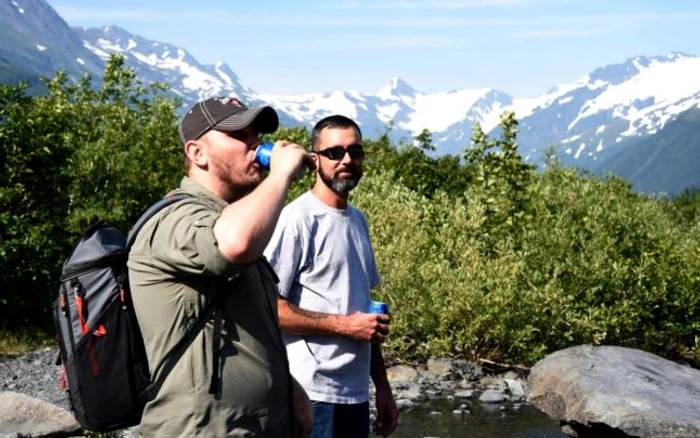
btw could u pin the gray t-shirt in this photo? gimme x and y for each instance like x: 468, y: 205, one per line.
x: 325, y: 263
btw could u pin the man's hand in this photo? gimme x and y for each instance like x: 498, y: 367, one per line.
x: 387, y: 414
x: 303, y: 412
x: 290, y: 159
x: 366, y: 327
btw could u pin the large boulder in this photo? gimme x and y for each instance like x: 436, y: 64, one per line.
x: 28, y: 416
x: 615, y: 391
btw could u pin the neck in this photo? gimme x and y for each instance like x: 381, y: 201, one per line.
x: 216, y: 186
x: 328, y: 196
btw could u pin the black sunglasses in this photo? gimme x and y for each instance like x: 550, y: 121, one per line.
x: 336, y: 153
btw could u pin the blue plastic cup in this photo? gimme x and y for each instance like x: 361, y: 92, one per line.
x: 378, y: 307
x: 262, y: 155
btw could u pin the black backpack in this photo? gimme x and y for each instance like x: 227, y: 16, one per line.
x: 104, y: 361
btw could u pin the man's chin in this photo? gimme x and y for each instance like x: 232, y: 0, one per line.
x: 343, y: 186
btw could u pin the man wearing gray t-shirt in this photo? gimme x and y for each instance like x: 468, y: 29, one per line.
x: 322, y: 254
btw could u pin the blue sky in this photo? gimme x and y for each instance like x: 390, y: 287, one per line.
x: 522, y: 47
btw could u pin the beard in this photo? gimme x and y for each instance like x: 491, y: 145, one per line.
x: 236, y: 180
x: 338, y: 185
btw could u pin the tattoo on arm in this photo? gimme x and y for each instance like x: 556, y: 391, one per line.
x: 306, y: 313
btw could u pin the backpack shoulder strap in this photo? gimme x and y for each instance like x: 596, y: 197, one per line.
x: 148, y: 214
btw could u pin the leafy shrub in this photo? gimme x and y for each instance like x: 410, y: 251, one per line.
x: 73, y: 157
x: 481, y: 257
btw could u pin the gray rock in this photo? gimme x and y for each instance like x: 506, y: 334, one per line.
x: 466, y: 384
x: 432, y: 393
x: 402, y: 373
x: 465, y: 393
x: 439, y: 366
x: 24, y: 415
x: 617, y: 390
x: 492, y: 396
x: 404, y: 404
x: 467, y: 370
x: 425, y: 377
x: 35, y: 374
x: 515, y: 388
x: 412, y: 393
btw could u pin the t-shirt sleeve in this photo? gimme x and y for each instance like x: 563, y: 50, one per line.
x: 183, y: 242
x: 285, y: 252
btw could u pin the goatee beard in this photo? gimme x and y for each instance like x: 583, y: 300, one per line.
x: 341, y: 186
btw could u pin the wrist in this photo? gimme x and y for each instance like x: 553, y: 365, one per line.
x: 280, y: 178
x: 339, y: 325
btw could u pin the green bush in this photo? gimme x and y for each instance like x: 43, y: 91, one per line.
x: 480, y: 255
x: 592, y: 262
x: 73, y: 157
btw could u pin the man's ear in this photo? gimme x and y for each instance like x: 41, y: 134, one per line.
x: 196, y: 152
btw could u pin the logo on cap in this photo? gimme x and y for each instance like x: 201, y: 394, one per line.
x: 232, y: 101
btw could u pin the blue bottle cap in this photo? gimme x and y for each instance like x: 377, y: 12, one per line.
x: 378, y: 307
x: 262, y: 155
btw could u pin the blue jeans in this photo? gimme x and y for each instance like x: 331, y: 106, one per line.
x: 340, y: 421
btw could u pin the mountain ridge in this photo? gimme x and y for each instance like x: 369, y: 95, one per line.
x: 599, y: 116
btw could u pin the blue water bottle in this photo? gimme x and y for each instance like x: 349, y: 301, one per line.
x: 262, y: 155
x: 378, y: 307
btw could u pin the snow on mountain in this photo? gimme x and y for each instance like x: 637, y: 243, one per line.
x: 585, y: 119
x: 408, y: 110
x: 161, y: 62
x: 609, y: 106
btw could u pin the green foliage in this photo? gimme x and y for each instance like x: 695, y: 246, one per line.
x: 302, y: 137
x: 588, y: 262
x: 73, y: 157
x: 479, y: 258
x: 412, y: 167
x: 503, y: 178
x: 424, y: 141
x: 686, y: 206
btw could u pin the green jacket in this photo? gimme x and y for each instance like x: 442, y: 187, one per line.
x: 174, y: 266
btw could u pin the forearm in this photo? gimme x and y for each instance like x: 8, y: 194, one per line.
x: 246, y: 226
x: 297, y: 321
x: 377, y: 368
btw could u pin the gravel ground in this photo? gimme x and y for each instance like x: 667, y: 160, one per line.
x: 35, y: 374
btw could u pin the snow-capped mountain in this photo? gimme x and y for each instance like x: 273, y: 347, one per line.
x: 408, y: 110
x: 398, y: 103
x: 613, y: 104
x: 590, y: 120
x: 586, y: 119
x: 161, y: 62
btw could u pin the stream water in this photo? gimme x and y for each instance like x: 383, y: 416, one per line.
x: 483, y: 421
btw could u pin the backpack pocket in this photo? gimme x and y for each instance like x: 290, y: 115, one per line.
x: 111, y: 375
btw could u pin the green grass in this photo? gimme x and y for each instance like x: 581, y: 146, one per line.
x: 17, y: 343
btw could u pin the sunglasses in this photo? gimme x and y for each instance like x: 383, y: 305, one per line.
x: 337, y: 153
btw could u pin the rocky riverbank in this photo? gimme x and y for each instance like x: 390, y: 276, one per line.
x: 31, y: 389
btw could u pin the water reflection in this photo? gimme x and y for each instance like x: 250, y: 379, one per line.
x: 483, y: 421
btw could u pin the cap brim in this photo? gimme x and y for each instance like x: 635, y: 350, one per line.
x: 264, y: 118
